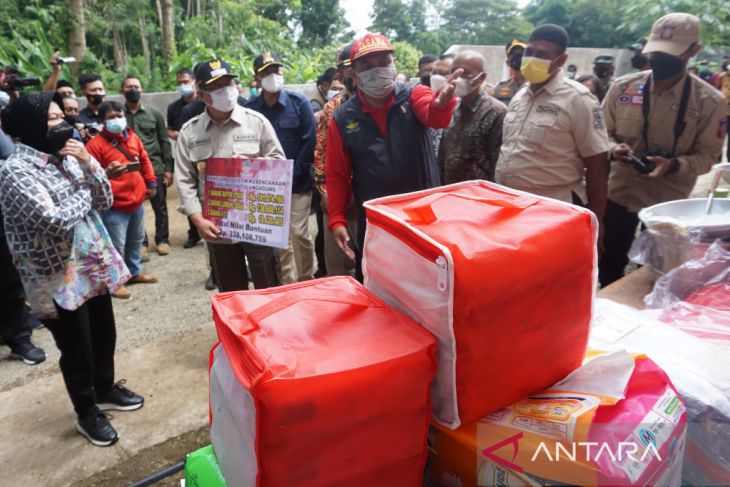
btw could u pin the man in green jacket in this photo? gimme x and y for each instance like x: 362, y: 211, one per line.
x: 150, y: 126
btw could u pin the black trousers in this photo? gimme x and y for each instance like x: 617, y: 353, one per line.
x: 86, y: 338
x: 159, y: 206
x: 193, y: 231
x: 14, y: 325
x: 228, y: 262
x: 319, y: 238
x: 620, y: 228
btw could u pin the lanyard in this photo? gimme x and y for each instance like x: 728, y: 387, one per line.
x: 679, y: 124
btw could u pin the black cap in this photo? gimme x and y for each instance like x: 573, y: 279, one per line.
x: 209, y: 71
x: 604, y: 59
x: 344, y: 59
x: 264, y: 60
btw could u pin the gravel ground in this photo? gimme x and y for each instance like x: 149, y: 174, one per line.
x: 176, y: 305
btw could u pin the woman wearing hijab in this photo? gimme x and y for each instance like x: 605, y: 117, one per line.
x: 51, y: 191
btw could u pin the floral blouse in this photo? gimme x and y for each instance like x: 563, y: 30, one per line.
x: 58, y: 241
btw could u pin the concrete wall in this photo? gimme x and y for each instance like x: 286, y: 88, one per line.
x: 160, y: 101
x: 580, y: 56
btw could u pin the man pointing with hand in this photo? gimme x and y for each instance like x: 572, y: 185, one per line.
x: 377, y: 142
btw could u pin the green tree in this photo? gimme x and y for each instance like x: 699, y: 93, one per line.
x: 484, y: 22
x: 392, y: 18
x: 549, y: 12
x: 321, y: 22
x: 639, y: 15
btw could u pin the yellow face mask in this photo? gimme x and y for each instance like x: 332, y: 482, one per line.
x: 535, y: 70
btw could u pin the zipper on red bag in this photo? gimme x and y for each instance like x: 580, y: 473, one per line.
x: 416, y: 244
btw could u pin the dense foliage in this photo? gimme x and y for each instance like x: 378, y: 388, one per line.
x: 153, y: 38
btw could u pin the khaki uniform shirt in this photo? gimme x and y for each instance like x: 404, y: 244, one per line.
x: 698, y: 148
x: 245, y: 134
x: 546, y: 136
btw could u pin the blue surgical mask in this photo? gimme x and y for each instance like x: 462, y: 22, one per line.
x: 116, y: 125
x: 185, y: 90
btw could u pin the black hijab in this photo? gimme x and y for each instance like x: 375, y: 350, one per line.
x: 26, y: 119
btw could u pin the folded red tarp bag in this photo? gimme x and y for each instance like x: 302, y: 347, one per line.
x: 505, y: 281
x: 319, y: 384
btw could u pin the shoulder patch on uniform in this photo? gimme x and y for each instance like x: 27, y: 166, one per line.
x: 599, y: 123
x: 352, y: 125
x: 624, y: 99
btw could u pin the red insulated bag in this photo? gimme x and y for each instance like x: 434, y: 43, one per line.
x: 505, y: 281
x: 319, y: 384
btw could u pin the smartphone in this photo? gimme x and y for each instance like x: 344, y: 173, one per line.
x: 132, y: 166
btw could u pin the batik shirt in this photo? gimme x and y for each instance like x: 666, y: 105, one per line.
x: 58, y: 241
x: 470, y: 145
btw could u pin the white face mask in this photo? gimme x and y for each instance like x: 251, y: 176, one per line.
x: 224, y: 99
x: 437, y: 81
x: 273, y: 82
x: 377, y: 83
x: 464, y: 87
x: 332, y: 93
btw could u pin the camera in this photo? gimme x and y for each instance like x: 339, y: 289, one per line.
x: 65, y: 60
x: 10, y: 80
x: 643, y: 165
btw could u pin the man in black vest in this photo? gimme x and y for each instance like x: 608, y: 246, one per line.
x: 377, y: 142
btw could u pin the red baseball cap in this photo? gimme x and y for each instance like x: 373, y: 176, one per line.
x: 369, y: 44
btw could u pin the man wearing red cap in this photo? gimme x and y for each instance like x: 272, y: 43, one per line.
x: 377, y: 142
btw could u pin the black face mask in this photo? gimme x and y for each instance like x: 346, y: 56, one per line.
x: 638, y: 61
x: 426, y: 80
x: 516, y: 62
x: 72, y: 119
x: 95, y: 99
x: 133, y: 96
x: 665, y: 66
x: 601, y: 71
x: 58, y: 136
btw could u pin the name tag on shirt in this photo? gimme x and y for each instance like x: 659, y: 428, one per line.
x: 245, y: 138
x: 199, y: 142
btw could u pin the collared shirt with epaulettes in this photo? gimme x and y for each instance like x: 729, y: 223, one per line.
x: 698, y: 148
x: 506, y: 90
x: 245, y: 134
x: 149, y: 125
x: 547, y: 134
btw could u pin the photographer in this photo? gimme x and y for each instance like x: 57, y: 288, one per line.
x: 11, y: 82
x: 666, y: 128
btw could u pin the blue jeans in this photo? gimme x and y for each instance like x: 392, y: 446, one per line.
x: 127, y: 232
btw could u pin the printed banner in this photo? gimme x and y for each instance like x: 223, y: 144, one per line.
x: 249, y: 199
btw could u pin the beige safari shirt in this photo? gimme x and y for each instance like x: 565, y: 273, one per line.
x: 546, y: 136
x: 245, y: 134
x: 698, y: 148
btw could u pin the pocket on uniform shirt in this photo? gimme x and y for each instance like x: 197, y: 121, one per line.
x: 246, y: 149
x: 200, y: 153
x: 538, y: 125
